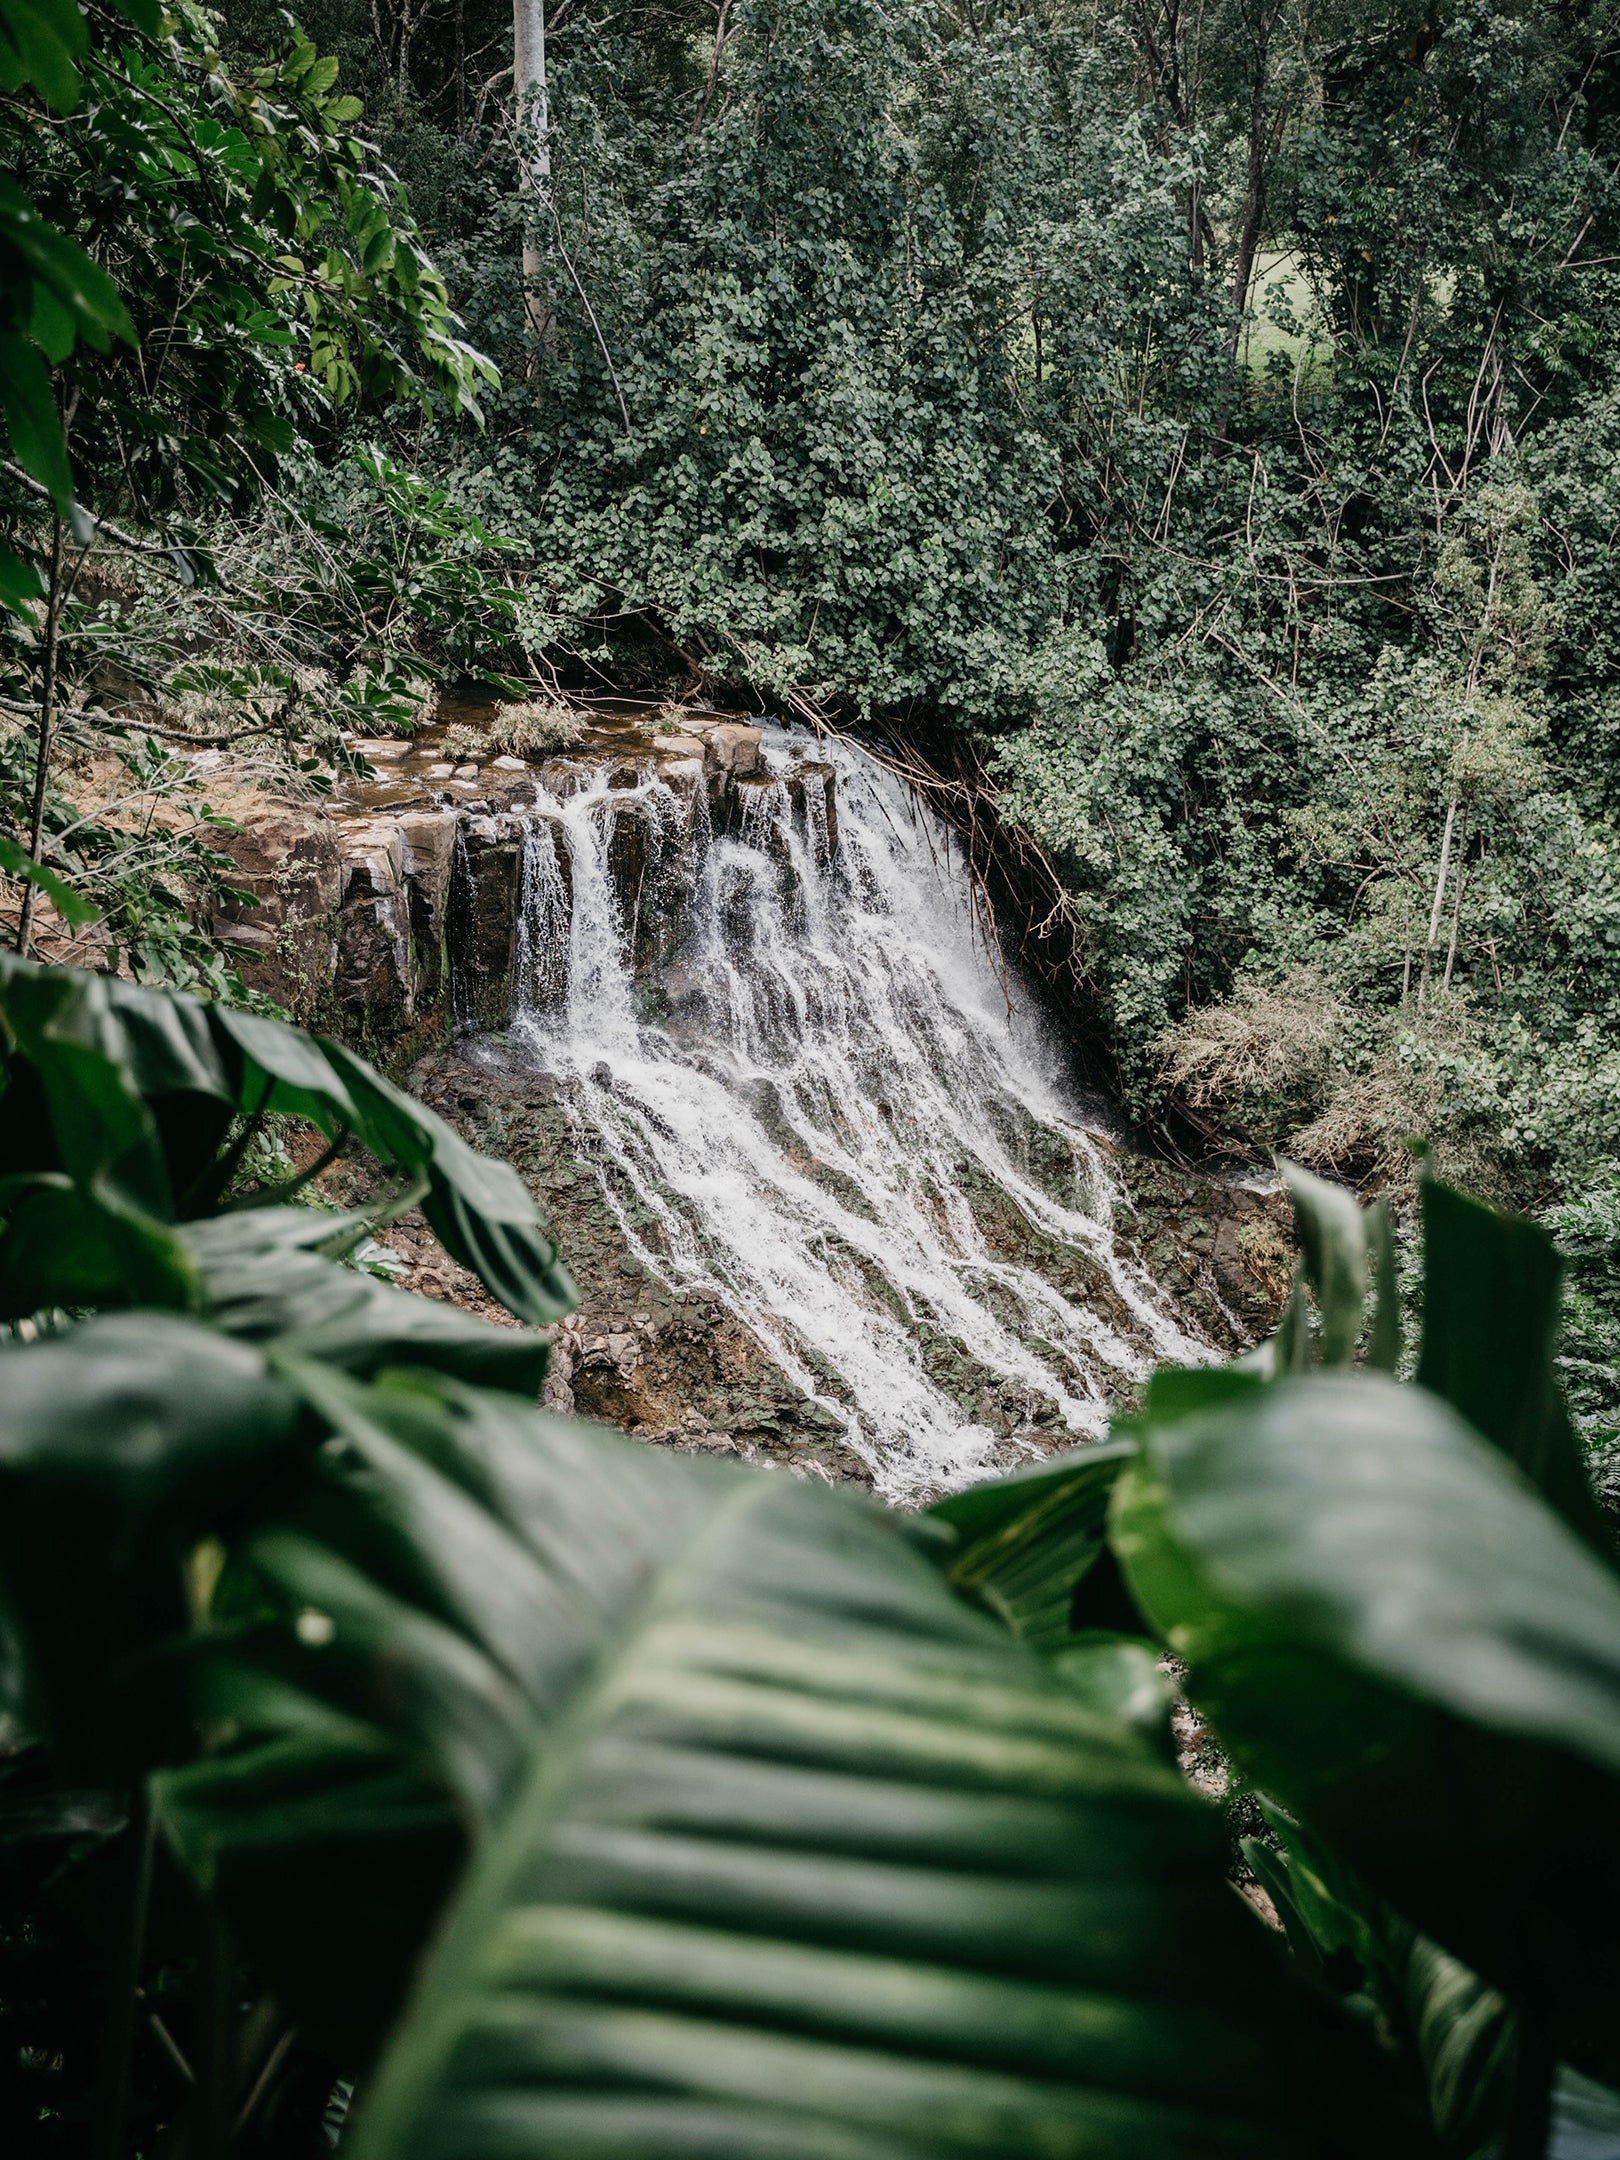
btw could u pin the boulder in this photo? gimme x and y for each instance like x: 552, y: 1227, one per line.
x: 428, y: 839
x: 485, y: 885
x: 372, y: 986
x: 287, y: 859
x: 813, y: 790
x: 733, y: 749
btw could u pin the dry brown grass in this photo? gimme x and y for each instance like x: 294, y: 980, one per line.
x: 537, y: 727
x: 1274, y: 1039
x: 1285, y: 1064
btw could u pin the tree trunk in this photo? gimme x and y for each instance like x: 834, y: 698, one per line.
x: 47, y: 728
x: 534, y: 157
x: 1439, y: 896
x: 1254, y: 193
x: 461, y: 70
x: 1456, y: 911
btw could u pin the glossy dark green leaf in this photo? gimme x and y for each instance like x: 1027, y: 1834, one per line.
x: 1333, y: 1237
x: 785, y: 1848
x: 19, y: 582
x: 146, y: 15
x: 1459, y: 2035
x: 1025, y: 1542
x: 67, y: 1023
x: 65, y: 1247
x: 81, y: 286
x: 1123, y: 1679
x: 121, y: 1441
x: 1395, y: 1636
x: 1490, y: 1319
x: 264, y: 1276
x: 40, y: 41
x: 481, y: 1209
x: 33, y: 424
x: 320, y: 1822
x: 140, y: 1086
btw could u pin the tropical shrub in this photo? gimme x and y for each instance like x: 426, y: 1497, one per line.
x: 207, y: 275
x: 373, y: 1731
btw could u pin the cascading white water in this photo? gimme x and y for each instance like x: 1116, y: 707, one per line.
x: 823, y: 1109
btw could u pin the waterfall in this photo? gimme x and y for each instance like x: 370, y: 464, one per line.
x: 783, y: 1038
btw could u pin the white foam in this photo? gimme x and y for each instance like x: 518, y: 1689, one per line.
x: 833, y: 1066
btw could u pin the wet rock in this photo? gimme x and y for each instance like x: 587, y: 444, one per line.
x: 757, y: 803
x: 372, y: 983
x: 288, y: 860
x: 813, y: 790
x: 429, y: 843
x: 358, y: 928
x: 1222, y: 1246
x: 734, y: 748
x: 483, y: 919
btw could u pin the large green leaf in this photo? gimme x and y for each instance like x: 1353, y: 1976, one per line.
x: 69, y: 1248
x: 1459, y: 2036
x: 1490, y: 1319
x: 121, y: 1442
x: 1025, y: 1542
x: 16, y: 862
x: 263, y: 1275
x: 1398, y: 1638
x: 1585, y: 2120
x: 60, y: 267
x: 33, y: 424
x: 481, y: 1209
x: 130, y: 1092
x: 40, y: 40
x: 782, y: 1847
x: 1333, y: 1237
x: 1033, y: 1547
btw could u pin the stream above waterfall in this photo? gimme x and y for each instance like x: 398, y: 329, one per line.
x: 806, y: 1092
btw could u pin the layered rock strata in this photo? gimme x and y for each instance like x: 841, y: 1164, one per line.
x: 398, y: 900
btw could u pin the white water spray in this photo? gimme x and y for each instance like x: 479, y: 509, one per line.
x: 824, y: 1112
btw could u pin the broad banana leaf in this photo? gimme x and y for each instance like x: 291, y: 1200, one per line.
x: 264, y: 1275
x: 779, y: 1847
x: 1490, y: 1322
x: 1459, y: 2034
x: 117, y: 1100
x: 122, y: 1442
x: 1025, y: 1542
x: 1399, y: 1639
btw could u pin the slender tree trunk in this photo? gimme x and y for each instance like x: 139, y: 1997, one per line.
x: 1439, y: 895
x: 715, y: 51
x: 47, y: 728
x: 1456, y: 909
x: 461, y: 70
x: 534, y: 157
x: 1254, y: 194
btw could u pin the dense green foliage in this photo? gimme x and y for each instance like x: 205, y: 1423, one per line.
x: 898, y: 366
x: 207, y: 270
x: 1207, y: 415
x: 370, y: 1732
x: 1202, y: 424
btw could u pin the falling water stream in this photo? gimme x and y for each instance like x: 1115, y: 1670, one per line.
x: 786, y: 1041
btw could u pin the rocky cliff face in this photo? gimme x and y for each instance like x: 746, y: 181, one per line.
x: 399, y: 900
x: 719, y: 995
